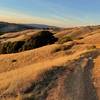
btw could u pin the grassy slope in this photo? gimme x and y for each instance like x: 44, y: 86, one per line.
x: 53, y: 72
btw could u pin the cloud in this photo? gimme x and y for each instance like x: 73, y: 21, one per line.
x: 18, y: 17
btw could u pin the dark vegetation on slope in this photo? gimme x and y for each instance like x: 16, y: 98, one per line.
x: 37, y: 40
x: 40, y: 88
x: 64, y: 39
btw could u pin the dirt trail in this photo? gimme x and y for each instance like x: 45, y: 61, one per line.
x: 63, y: 80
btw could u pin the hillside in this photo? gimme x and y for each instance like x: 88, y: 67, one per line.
x: 67, y: 67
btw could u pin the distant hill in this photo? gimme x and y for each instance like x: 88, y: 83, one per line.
x: 41, y: 26
x: 12, y: 27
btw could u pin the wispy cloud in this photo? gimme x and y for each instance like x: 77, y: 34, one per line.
x: 53, y: 12
x: 18, y: 17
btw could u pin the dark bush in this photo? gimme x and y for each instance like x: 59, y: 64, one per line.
x: 40, y: 39
x: 37, y: 40
x: 64, y: 39
x: 10, y: 47
x: 14, y: 60
x: 1, y: 33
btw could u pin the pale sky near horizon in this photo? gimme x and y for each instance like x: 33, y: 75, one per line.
x: 63, y: 13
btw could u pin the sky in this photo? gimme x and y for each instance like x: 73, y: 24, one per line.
x: 63, y: 13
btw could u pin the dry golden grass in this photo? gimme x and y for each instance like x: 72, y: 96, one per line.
x: 21, y: 79
x: 17, y: 36
x: 54, y: 72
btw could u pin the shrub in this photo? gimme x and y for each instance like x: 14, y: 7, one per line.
x: 40, y: 39
x: 1, y: 33
x: 10, y: 47
x: 14, y: 60
x: 91, y: 47
x: 80, y: 38
x: 64, y: 39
